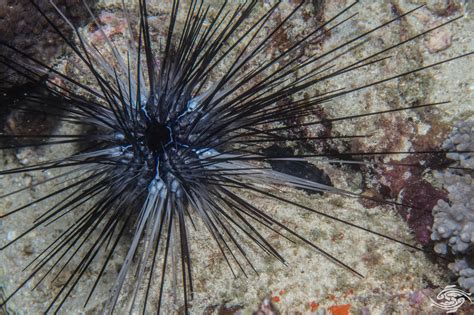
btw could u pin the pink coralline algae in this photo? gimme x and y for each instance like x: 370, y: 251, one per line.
x: 422, y: 197
x: 110, y: 25
x: 417, y: 197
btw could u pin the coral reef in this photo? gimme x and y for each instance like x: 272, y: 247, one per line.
x: 462, y: 140
x: 309, y: 284
x: 453, y: 228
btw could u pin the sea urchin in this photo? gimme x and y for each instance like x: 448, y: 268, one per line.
x: 173, y: 132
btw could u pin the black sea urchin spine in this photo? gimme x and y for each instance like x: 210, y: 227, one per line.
x: 171, y: 142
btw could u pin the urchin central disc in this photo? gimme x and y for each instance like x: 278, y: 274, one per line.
x: 157, y: 136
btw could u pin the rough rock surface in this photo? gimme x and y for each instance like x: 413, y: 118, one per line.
x: 23, y: 27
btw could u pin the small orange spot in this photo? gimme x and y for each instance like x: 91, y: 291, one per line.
x: 314, y: 306
x: 340, y: 309
x: 276, y: 299
x: 281, y: 292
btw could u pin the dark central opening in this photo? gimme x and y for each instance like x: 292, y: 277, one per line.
x: 157, y: 136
